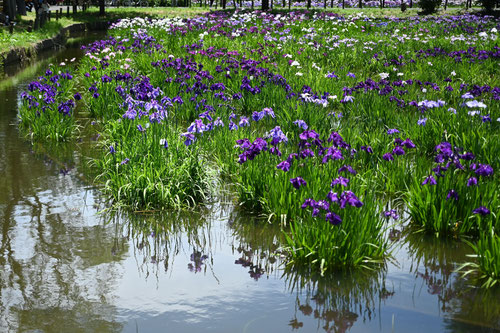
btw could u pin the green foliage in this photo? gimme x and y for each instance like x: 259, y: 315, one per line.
x: 322, y: 247
x: 436, y: 210
x: 141, y: 173
x: 46, y: 113
x: 487, y: 253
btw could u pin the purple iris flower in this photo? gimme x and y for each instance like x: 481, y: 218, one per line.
x: 140, y: 128
x: 340, y: 180
x: 467, y: 156
x: 308, y: 203
x: 232, y: 126
x: 205, y: 114
x: 332, y: 196
x: 484, y: 170
x: 311, y: 134
x: 112, y: 149
x: 388, y: 157
x: 256, y: 116
x: 197, y: 127
x: 408, y: 144
x: 332, y: 154
x: 333, y: 218
x: 285, y: 165
x: 243, y: 143
x: 452, y: 194
x: 429, y: 180
x: 277, y: 136
x: 322, y: 204
x: 298, y: 182
x: 391, y: 131
x: 438, y: 171
x: 472, y: 181
x: 482, y: 211
x: 338, y: 141
x: 178, y: 100
x: 268, y: 112
x: 218, y: 122
x: 347, y: 99
x: 347, y: 168
x: 349, y: 198
x: 251, y: 150
x: 125, y: 161
x: 302, y: 124
x: 422, y: 122
x: 398, y: 151
x: 306, y: 153
x: 392, y: 213
x: 244, y: 122
x: 189, y: 138
x: 368, y: 149
x: 274, y: 151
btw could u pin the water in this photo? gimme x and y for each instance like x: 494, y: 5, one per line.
x: 67, y: 268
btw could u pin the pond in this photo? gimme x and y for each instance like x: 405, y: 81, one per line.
x: 68, y: 266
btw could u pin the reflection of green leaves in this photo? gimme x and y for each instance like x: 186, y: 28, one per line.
x: 338, y: 299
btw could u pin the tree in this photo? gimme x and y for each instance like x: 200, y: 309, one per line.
x: 265, y: 4
x: 101, y: 8
x: 429, y: 6
x: 488, y: 5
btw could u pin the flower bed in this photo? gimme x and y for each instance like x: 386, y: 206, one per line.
x: 335, y: 125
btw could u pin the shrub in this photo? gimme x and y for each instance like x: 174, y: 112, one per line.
x: 429, y: 6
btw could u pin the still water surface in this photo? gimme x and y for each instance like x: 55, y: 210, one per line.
x: 66, y: 268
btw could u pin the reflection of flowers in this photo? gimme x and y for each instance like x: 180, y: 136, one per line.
x: 197, y: 261
x: 296, y: 324
x: 255, y: 271
x: 306, y: 309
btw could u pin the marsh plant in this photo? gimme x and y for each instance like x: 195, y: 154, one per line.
x: 47, y: 108
x: 320, y: 120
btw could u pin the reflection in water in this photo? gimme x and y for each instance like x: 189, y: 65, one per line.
x: 197, y: 262
x: 339, y: 301
x: 257, y: 245
x: 435, y: 261
x: 55, y: 272
x: 54, y: 268
x: 159, y: 238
